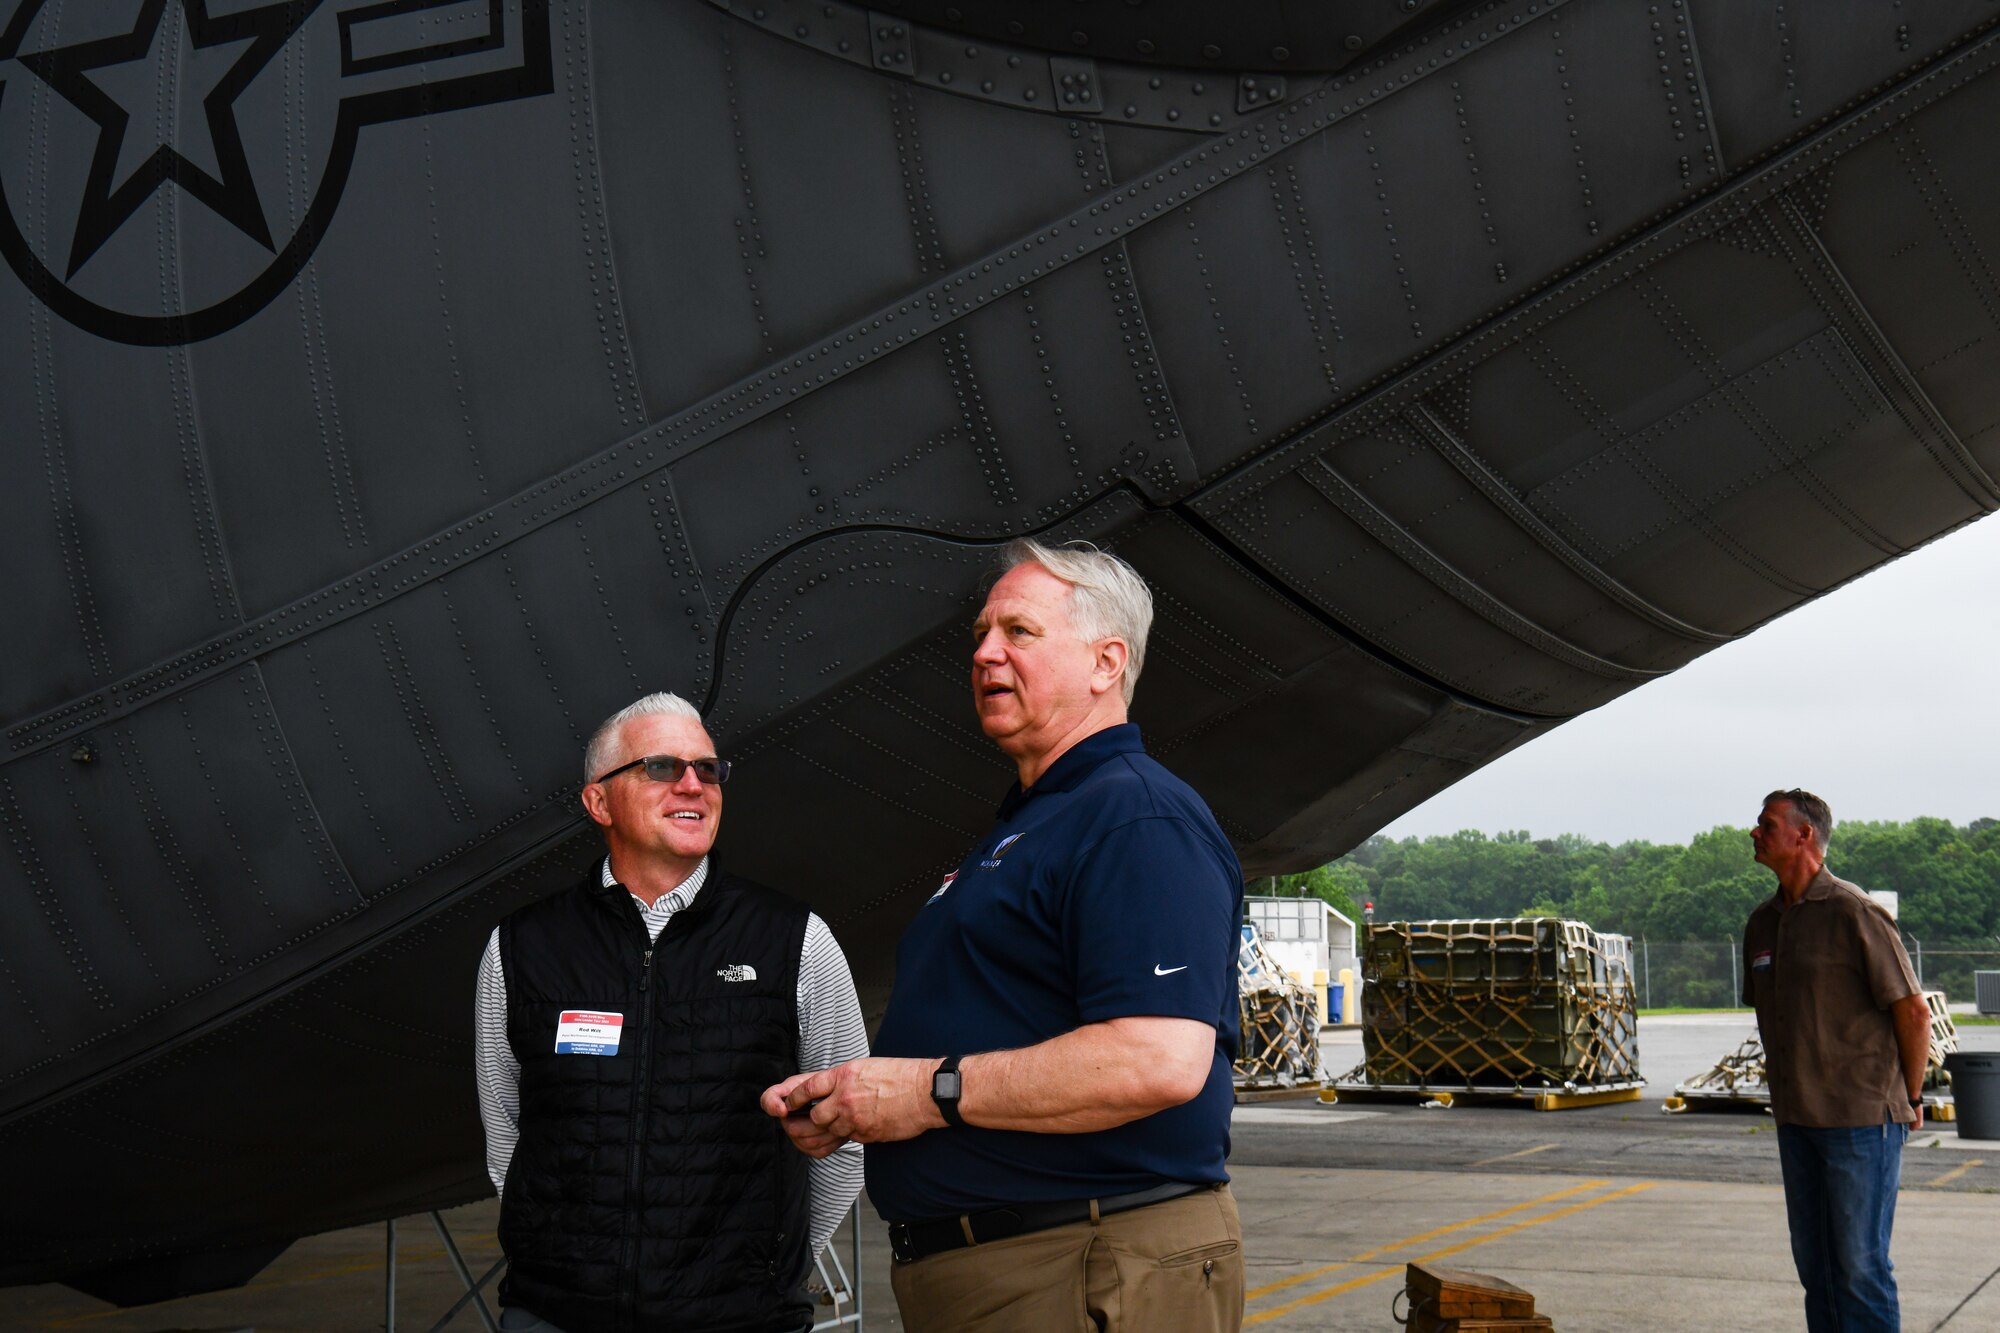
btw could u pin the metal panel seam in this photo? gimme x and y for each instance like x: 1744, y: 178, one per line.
x: 1588, y: 279
x: 1453, y: 451
x: 1943, y: 444
x: 1323, y: 477
x: 702, y: 424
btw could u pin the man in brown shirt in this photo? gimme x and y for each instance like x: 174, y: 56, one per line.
x: 1846, y: 1035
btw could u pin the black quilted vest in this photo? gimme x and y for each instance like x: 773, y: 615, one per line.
x: 649, y: 1190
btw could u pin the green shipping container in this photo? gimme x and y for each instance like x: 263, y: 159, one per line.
x: 1501, y: 1005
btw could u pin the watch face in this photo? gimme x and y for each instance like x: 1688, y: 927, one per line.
x: 945, y: 1084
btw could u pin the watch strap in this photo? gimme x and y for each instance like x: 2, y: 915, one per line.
x: 947, y: 1105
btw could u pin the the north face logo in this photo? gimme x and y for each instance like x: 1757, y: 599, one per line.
x: 215, y: 137
x: 737, y: 972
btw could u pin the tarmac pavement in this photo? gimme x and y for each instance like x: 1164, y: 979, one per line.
x: 1600, y: 1253
x: 1617, y: 1218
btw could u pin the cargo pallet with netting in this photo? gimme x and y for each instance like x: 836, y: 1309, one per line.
x: 1278, y: 1052
x: 1737, y: 1080
x: 1533, y: 1008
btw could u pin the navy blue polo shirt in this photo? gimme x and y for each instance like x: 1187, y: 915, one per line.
x: 1105, y: 891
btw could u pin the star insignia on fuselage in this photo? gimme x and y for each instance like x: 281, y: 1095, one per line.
x: 229, y: 190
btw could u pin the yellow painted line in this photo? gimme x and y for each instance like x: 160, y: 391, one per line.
x: 1525, y: 1152
x: 1448, y: 1250
x: 1639, y: 1188
x: 1952, y: 1174
x: 1420, y: 1238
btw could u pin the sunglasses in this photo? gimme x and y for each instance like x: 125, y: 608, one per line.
x: 669, y: 767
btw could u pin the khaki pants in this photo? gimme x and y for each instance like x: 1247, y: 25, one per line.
x: 1172, y: 1267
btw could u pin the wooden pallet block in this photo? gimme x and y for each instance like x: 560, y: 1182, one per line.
x: 1455, y: 1294
x: 1453, y: 1300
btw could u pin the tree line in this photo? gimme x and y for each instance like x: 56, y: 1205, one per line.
x: 1947, y: 877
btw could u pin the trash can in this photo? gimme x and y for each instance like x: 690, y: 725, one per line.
x: 1975, y: 1086
x: 1336, y: 998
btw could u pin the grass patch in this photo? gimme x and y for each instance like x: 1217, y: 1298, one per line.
x: 1958, y: 1020
x: 1685, y: 1009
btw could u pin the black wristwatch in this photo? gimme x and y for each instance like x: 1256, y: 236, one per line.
x: 945, y: 1089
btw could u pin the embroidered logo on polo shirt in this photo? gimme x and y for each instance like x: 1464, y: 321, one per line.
x: 941, y: 888
x: 999, y: 850
x: 737, y: 972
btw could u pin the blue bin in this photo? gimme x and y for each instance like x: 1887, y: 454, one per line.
x: 1335, y: 1002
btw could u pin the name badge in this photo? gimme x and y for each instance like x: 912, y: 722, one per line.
x: 581, y: 1032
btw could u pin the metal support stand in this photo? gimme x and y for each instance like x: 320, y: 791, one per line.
x: 841, y: 1281
x: 465, y: 1277
x: 842, y: 1284
x: 389, y: 1283
x: 473, y: 1289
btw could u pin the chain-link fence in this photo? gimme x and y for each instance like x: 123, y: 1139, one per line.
x: 1948, y: 965
x: 1707, y: 974
x: 1688, y: 974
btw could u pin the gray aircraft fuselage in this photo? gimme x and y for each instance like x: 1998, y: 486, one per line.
x: 393, y: 390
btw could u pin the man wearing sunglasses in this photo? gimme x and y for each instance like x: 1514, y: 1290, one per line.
x: 1049, y: 1115
x: 625, y: 1028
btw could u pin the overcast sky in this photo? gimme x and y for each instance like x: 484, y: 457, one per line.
x: 1880, y: 697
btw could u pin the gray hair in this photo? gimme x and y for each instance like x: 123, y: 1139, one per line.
x: 1811, y: 810
x: 597, y: 755
x: 1107, y: 599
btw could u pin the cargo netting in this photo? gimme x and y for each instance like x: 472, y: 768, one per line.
x: 1279, y: 1017
x: 1496, y: 1006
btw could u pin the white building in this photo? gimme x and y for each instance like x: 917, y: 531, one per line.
x: 1307, y: 936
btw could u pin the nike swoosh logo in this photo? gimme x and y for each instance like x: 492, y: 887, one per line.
x: 1159, y: 971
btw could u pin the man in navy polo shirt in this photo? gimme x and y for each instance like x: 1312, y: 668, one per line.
x: 1048, y: 1112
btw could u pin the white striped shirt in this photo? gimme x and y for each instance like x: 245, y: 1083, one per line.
x: 830, y: 1032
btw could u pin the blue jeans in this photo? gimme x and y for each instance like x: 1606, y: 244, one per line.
x: 1840, y: 1199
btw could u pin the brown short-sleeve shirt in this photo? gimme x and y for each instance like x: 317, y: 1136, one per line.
x: 1822, y: 974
